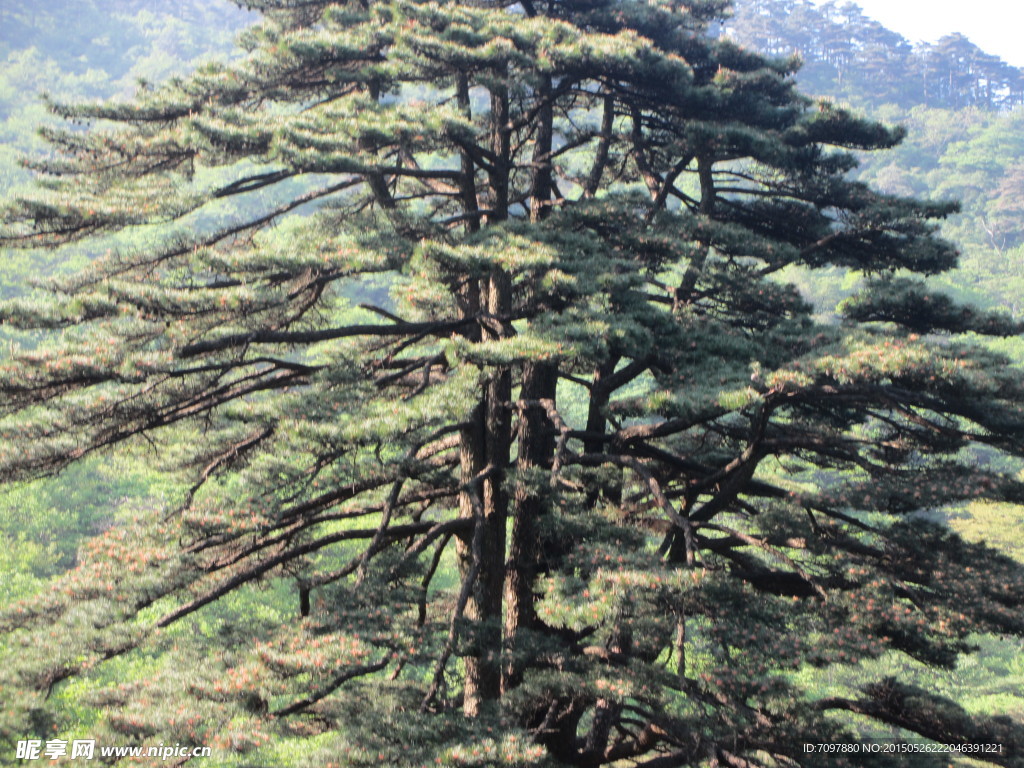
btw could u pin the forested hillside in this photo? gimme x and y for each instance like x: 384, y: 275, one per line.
x: 974, y: 156
x: 112, y: 48
x: 119, y: 38
x: 964, y: 139
x: 848, y: 56
x: 548, y: 384
x: 86, y: 49
x: 96, y: 49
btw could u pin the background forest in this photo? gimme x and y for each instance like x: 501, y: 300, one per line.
x: 110, y: 51
x: 961, y: 109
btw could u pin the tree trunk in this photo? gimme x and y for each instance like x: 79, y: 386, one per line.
x: 536, y: 445
x: 487, y: 451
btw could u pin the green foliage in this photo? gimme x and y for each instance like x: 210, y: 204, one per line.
x: 911, y: 305
x: 591, y: 486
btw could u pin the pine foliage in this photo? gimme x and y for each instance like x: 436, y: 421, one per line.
x: 589, y: 485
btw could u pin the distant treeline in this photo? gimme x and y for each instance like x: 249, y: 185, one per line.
x: 86, y: 34
x: 848, y: 54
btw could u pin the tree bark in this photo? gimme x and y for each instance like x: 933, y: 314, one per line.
x: 536, y: 447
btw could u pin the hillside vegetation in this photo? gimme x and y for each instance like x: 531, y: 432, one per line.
x: 258, y: 495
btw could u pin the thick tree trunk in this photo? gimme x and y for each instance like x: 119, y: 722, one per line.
x: 501, y: 145
x: 486, y: 451
x: 536, y: 446
x: 684, y: 293
x: 599, y: 395
x: 467, y: 184
x: 597, y: 423
x: 535, y: 435
x: 543, y: 182
x: 601, y: 155
x: 472, y: 459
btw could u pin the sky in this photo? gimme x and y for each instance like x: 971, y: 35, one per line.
x: 995, y: 26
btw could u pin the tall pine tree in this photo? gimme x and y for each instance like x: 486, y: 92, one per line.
x: 579, y: 481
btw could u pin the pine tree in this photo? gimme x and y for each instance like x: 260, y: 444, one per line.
x: 588, y: 483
